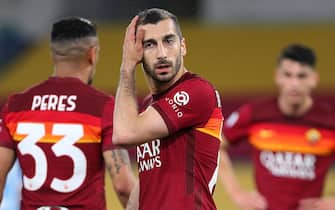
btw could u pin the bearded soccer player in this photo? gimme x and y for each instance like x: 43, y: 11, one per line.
x: 61, y: 130
x: 178, y: 135
x: 292, y: 138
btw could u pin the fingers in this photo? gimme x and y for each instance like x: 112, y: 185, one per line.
x: 131, y: 29
x: 132, y: 46
x: 307, y: 204
x: 260, y: 201
x: 253, y: 201
x: 139, y: 38
x: 138, y: 35
x: 308, y: 201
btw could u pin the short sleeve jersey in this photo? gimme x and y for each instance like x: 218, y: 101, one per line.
x: 180, y: 171
x: 59, y: 129
x: 291, y: 155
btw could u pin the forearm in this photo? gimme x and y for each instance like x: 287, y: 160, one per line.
x: 2, y: 182
x: 133, y: 203
x: 323, y: 203
x: 3, y: 174
x: 228, y: 176
x: 7, y: 158
x: 123, y: 198
x: 124, y: 184
x: 126, y: 101
x: 126, y: 109
x: 243, y: 199
x: 119, y: 169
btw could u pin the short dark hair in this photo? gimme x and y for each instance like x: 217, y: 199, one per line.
x: 299, y: 53
x: 72, y: 28
x: 155, y: 15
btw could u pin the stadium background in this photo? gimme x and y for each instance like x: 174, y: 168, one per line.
x: 234, y: 44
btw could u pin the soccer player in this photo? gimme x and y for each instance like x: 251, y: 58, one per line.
x: 61, y: 130
x: 292, y: 138
x: 178, y: 135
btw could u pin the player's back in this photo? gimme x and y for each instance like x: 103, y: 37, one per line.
x: 60, y: 129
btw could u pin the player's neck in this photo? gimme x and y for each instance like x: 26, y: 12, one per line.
x: 76, y: 70
x: 294, y: 109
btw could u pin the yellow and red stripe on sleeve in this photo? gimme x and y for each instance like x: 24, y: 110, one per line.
x: 213, y: 127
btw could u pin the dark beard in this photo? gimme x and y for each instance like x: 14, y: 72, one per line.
x: 175, y: 70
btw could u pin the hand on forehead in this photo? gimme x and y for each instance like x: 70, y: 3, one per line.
x: 158, y: 30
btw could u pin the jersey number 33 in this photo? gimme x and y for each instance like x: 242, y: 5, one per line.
x: 70, y: 134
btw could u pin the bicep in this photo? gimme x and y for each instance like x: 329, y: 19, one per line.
x: 152, y: 124
x: 149, y: 125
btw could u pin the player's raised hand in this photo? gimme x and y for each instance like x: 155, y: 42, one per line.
x: 132, y: 46
x: 250, y: 201
x: 327, y: 203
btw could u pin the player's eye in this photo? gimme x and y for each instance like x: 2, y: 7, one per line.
x: 170, y: 40
x: 302, y: 76
x: 147, y: 45
x: 288, y: 75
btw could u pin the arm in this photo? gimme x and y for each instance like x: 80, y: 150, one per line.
x: 118, y: 166
x: 130, y: 127
x: 244, y: 200
x: 325, y: 203
x: 133, y: 199
x: 7, y: 159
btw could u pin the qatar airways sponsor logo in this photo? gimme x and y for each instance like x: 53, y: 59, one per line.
x: 181, y: 98
x: 148, y: 155
x: 289, y: 164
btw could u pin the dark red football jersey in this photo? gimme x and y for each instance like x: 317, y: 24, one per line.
x: 179, y: 172
x: 59, y: 129
x: 291, y: 155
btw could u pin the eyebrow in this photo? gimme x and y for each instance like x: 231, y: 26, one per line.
x: 165, y: 37
x: 149, y: 40
x: 170, y: 36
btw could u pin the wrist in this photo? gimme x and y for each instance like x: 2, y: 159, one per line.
x: 236, y: 194
x: 128, y: 67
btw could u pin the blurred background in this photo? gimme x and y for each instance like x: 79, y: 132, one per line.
x: 232, y: 43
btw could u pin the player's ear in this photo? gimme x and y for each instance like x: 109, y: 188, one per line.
x: 183, y: 47
x: 315, y: 79
x: 52, y: 56
x: 93, y: 55
x: 276, y: 76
